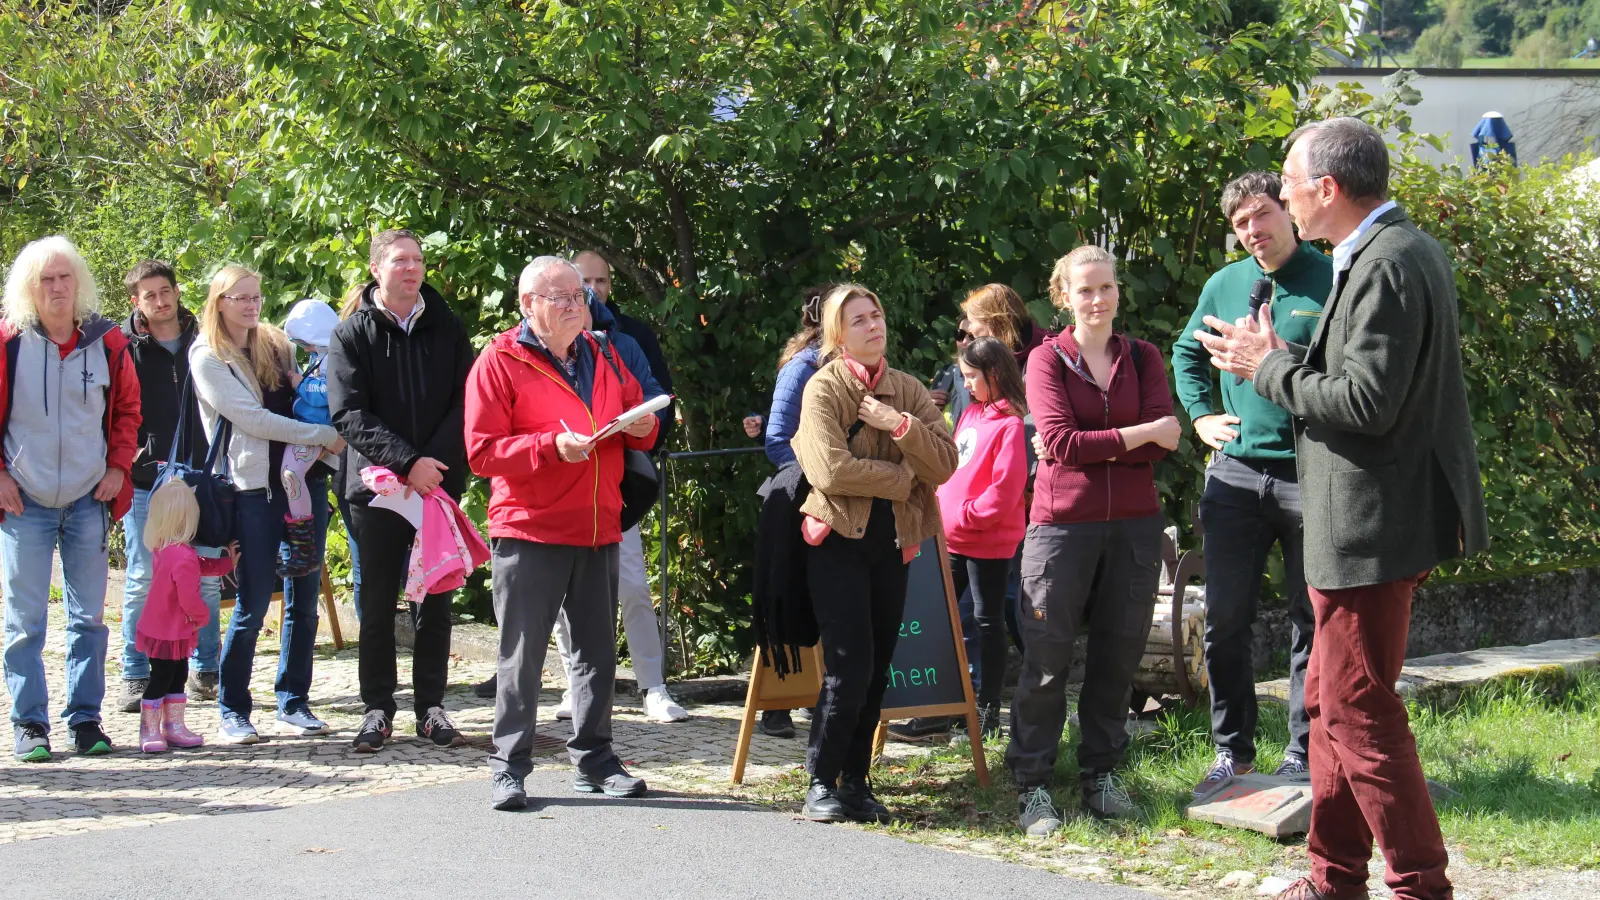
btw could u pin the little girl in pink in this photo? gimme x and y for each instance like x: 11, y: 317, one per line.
x: 173, y: 614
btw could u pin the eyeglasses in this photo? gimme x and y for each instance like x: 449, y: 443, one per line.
x: 243, y: 300
x: 963, y: 335
x: 1292, y: 182
x: 569, y: 301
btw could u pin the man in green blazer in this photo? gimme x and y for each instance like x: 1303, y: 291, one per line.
x: 1389, y: 486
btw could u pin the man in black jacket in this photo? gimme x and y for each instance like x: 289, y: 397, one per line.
x: 397, y: 374
x: 159, y: 333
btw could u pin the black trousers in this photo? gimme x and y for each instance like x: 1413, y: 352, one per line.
x: 1102, y: 574
x: 1247, y: 507
x: 167, y: 676
x: 987, y: 579
x: 858, y: 591
x: 383, y: 538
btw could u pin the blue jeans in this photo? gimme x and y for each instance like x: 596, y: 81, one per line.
x: 136, y: 588
x: 28, y: 545
x: 259, y: 529
x: 355, y: 555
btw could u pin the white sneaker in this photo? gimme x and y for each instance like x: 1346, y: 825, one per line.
x: 659, y: 706
x: 564, y: 708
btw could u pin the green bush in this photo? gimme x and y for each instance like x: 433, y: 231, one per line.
x: 1440, y: 47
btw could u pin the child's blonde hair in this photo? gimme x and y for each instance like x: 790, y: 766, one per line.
x: 174, y: 515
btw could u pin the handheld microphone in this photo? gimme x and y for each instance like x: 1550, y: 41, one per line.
x: 1260, y: 293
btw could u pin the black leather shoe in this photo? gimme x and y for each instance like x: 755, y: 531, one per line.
x: 823, y: 805
x: 856, y: 794
x: 484, y: 690
x: 776, y: 723
x: 917, y: 731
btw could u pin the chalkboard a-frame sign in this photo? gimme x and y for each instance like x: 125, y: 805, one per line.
x: 928, y: 676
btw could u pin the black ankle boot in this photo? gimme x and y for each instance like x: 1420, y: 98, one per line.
x: 855, y: 792
x: 823, y: 805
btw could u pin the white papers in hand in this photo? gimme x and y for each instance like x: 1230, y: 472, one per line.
x: 648, y: 408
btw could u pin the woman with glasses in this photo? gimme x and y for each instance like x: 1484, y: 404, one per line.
x: 241, y: 369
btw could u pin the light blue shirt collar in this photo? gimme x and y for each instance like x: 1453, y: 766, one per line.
x: 1341, y: 253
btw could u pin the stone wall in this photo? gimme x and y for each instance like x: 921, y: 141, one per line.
x: 1450, y: 618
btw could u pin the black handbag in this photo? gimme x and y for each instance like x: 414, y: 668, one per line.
x: 213, y: 490
x: 640, y: 486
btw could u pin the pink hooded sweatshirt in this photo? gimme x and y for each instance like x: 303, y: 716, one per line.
x: 173, y: 610
x: 981, y: 504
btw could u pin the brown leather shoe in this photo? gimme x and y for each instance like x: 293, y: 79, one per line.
x: 1305, y: 889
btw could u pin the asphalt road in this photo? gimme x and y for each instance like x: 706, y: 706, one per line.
x: 445, y: 843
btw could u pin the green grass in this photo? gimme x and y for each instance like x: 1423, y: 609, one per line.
x: 1524, y: 759
x: 1406, y: 60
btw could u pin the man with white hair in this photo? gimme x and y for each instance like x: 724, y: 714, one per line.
x: 535, y: 398
x: 69, y: 420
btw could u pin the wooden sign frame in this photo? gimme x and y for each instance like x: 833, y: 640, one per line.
x: 800, y: 689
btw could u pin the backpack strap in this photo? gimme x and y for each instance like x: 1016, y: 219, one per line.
x: 604, y: 340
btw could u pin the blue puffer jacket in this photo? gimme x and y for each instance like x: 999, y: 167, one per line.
x: 785, y: 415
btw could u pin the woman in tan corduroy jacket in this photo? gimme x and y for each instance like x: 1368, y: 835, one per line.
x: 874, y: 447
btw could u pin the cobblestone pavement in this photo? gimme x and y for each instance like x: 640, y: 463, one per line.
x: 74, y: 794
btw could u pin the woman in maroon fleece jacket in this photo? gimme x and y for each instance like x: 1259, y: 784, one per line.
x: 1104, y: 414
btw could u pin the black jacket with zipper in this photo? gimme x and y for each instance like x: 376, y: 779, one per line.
x: 161, y: 378
x: 397, y: 397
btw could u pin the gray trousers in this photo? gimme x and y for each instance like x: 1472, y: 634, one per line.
x: 1103, y: 574
x: 533, y: 583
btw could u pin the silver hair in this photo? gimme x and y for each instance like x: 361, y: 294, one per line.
x: 539, y: 266
x: 22, y: 284
x: 1349, y: 150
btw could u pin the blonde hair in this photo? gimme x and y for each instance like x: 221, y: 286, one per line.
x: 351, y: 301
x: 270, y: 355
x: 1061, y: 276
x: 998, y: 307
x: 22, y: 285
x: 174, y: 515
x: 833, y: 315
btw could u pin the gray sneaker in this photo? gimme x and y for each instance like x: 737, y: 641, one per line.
x: 203, y: 686
x: 33, y: 742
x: 132, y: 694
x: 506, y: 793
x: 1293, y: 766
x: 1038, y: 814
x: 1105, y: 798
x: 300, y: 722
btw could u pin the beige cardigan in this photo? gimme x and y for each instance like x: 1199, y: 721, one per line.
x: 845, y: 479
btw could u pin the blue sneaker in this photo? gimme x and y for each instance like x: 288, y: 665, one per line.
x: 236, y: 729
x: 301, y: 722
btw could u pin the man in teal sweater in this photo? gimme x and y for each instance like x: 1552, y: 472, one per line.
x: 1252, y: 491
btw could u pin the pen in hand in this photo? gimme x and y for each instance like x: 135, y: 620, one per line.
x: 570, y: 434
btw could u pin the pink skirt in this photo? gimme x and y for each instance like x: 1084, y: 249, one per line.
x: 159, y: 648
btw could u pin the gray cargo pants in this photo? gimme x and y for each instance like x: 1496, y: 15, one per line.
x: 1103, y: 574
x: 533, y: 583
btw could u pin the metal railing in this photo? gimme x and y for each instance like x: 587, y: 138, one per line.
x: 663, y: 511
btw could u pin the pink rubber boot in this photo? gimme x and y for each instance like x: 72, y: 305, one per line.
x: 150, y: 739
x: 177, y: 733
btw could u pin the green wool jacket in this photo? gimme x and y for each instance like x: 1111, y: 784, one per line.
x: 1389, y: 482
x: 1266, y: 430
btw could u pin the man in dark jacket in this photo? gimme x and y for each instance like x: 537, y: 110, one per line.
x: 397, y: 372
x: 633, y: 586
x: 1390, y: 488
x: 159, y: 332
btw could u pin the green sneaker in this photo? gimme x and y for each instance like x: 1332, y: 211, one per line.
x: 33, y: 742
x: 89, y: 740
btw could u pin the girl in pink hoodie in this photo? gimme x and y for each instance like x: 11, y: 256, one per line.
x: 173, y: 614
x: 982, y: 505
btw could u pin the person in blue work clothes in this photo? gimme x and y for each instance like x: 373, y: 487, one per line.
x: 796, y: 365
x: 1252, y: 490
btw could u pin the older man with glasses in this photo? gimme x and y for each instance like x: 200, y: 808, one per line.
x: 535, y: 399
